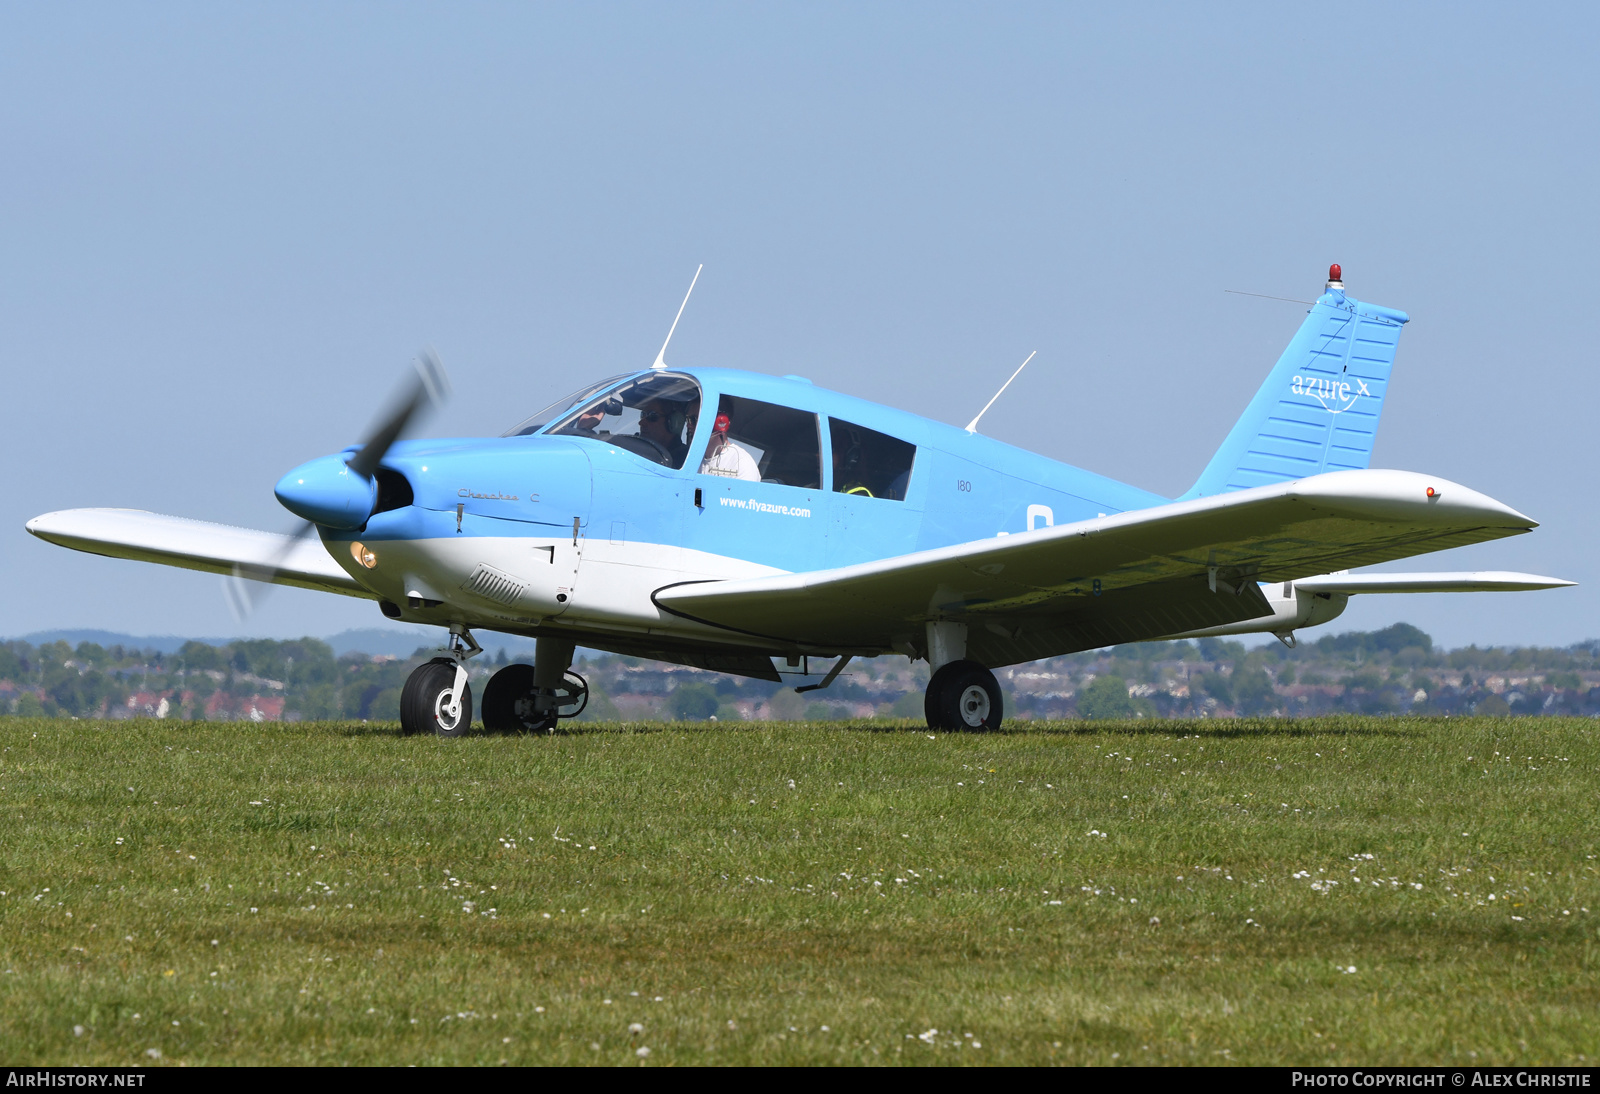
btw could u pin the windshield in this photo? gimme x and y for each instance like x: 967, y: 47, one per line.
x: 652, y: 416
x: 537, y: 421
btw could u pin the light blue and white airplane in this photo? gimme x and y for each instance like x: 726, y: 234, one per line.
x: 732, y: 521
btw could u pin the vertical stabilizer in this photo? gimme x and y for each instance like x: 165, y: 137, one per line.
x: 1318, y: 409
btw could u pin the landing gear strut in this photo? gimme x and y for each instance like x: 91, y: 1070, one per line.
x: 531, y: 698
x: 437, y: 697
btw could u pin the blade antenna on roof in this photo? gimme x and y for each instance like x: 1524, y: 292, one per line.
x: 972, y: 426
x: 661, y: 358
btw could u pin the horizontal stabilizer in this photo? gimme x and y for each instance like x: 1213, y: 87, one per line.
x: 196, y: 545
x: 1312, y: 601
x: 1479, y: 581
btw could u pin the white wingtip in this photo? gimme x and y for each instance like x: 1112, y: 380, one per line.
x: 1385, y: 492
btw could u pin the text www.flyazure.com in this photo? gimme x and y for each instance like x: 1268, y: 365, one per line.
x: 762, y: 507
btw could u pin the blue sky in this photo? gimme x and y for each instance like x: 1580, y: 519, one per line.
x: 225, y: 230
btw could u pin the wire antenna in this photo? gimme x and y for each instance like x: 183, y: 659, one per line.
x: 661, y: 358
x: 1264, y: 296
x: 972, y: 426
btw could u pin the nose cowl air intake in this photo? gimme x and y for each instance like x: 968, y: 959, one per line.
x: 327, y: 492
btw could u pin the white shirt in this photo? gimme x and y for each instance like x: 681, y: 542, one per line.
x: 730, y: 461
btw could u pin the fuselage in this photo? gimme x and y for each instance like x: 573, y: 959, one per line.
x: 546, y: 533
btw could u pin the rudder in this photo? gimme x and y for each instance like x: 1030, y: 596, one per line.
x: 1318, y: 409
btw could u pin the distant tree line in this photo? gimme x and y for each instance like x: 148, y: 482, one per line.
x: 1396, y: 669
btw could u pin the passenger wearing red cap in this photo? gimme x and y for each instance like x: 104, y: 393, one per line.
x: 727, y: 458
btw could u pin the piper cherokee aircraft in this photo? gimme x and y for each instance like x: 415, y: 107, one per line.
x: 728, y: 520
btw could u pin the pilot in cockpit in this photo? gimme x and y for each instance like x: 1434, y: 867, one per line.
x: 662, y: 423
x: 848, y: 460
x: 589, y: 422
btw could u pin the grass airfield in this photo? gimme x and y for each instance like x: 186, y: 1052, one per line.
x: 1332, y: 891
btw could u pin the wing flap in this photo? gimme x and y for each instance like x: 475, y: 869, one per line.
x: 733, y: 662
x: 1127, y: 577
x: 195, y: 545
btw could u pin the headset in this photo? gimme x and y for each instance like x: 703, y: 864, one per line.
x: 674, y: 417
x: 677, y: 419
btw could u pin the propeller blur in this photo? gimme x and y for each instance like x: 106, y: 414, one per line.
x: 338, y: 492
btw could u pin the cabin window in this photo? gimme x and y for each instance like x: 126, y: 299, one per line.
x: 763, y: 442
x: 869, y: 463
x: 535, y: 422
x: 652, y: 416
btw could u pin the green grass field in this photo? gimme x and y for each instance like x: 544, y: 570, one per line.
x: 1336, y: 891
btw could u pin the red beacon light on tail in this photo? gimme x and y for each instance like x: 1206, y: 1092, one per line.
x: 1335, y: 277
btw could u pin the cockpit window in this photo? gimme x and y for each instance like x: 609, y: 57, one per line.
x: 869, y: 463
x: 652, y: 416
x: 763, y: 442
x: 536, y: 422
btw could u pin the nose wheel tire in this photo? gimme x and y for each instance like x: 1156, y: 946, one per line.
x: 963, y: 695
x: 426, y: 699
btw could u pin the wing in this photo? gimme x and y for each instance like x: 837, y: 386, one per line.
x: 1130, y: 577
x: 195, y: 545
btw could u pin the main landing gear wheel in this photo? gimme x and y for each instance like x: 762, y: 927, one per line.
x: 505, y: 692
x: 963, y: 695
x: 511, y: 701
x: 426, y: 699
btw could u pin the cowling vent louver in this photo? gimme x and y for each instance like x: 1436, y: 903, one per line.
x: 492, y: 584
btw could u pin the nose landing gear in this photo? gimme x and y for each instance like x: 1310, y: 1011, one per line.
x: 437, y: 697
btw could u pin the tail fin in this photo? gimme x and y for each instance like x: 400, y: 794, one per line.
x: 1318, y: 409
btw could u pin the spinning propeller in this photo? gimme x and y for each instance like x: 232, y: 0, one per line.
x: 337, y: 492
